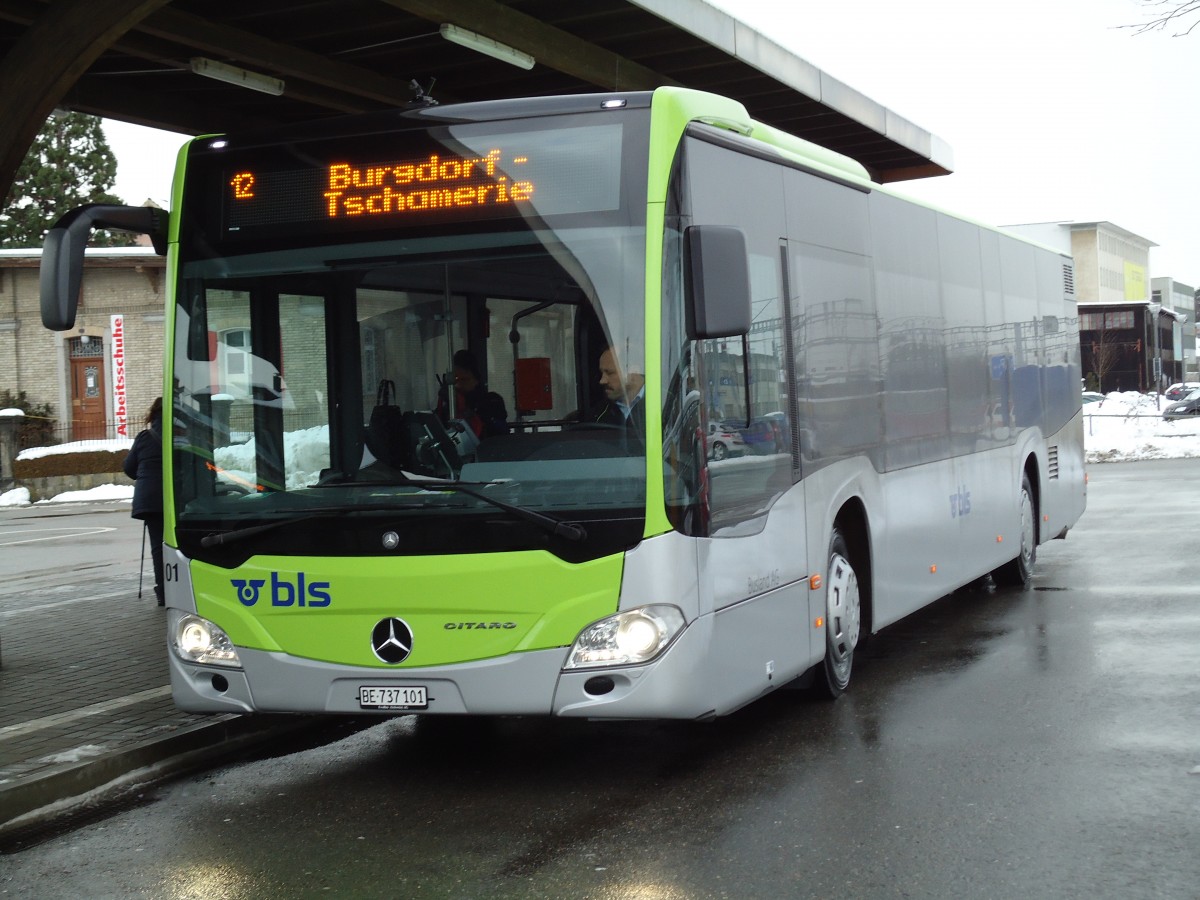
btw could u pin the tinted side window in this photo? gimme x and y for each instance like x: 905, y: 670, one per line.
x: 728, y: 188
x: 834, y: 322
x: 1018, y: 279
x: 912, y: 332
x: 974, y: 404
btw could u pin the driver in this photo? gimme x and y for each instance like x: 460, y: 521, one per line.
x: 625, y: 395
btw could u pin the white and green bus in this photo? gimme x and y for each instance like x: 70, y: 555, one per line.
x: 341, y: 538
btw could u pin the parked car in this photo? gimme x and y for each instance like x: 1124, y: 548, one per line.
x: 723, y: 441
x: 1092, y: 397
x: 1188, y: 406
x: 765, y: 434
x: 1181, y: 390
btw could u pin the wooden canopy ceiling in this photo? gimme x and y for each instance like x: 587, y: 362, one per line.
x: 130, y: 60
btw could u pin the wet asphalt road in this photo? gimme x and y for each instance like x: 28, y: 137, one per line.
x: 1014, y: 744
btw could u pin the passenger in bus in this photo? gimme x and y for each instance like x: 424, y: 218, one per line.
x: 480, y: 408
x: 624, y: 394
x: 143, y: 464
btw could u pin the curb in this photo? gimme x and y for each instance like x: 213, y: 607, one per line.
x: 28, y: 803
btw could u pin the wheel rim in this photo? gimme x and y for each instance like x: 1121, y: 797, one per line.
x: 718, y: 450
x: 843, y: 616
x: 1027, y: 527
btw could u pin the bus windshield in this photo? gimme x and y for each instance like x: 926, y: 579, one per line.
x: 435, y: 374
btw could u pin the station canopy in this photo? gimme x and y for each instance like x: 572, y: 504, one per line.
x: 138, y: 61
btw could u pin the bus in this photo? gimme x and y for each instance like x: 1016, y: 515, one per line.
x: 340, y: 536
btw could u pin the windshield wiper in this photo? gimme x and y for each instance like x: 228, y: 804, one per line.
x: 569, y: 530
x: 324, y: 512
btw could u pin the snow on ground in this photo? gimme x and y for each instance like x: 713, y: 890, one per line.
x: 115, y: 445
x: 1128, y: 425
x: 1123, y: 426
x: 121, y: 491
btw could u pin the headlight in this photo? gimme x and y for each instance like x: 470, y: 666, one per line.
x: 628, y: 638
x: 198, y: 640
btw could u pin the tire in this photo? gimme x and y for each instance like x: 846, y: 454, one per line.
x: 1018, y: 571
x: 843, y: 619
x: 719, y: 451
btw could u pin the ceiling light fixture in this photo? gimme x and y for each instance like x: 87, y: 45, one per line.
x: 255, y: 81
x: 485, y: 45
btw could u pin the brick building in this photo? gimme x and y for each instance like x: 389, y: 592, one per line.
x: 101, y: 376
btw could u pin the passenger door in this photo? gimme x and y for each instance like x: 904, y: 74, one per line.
x: 758, y: 546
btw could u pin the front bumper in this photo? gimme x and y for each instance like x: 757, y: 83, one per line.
x: 531, y: 683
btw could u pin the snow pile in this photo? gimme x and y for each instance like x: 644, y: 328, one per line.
x: 1127, y: 425
x: 124, y: 491
x: 92, y: 495
x: 76, y: 447
x: 15, y: 497
x: 306, y: 452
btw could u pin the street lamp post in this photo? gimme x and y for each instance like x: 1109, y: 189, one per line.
x: 1155, y: 310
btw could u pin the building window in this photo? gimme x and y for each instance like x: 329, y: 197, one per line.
x: 1122, y: 319
x: 85, y: 346
x: 235, y: 361
x: 1107, y: 321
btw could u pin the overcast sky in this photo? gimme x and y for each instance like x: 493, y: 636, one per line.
x: 1052, y: 110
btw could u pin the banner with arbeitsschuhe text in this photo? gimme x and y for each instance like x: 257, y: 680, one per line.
x: 120, y: 391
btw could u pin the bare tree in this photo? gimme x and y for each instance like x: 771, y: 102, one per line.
x: 1177, y: 16
x: 1105, y: 353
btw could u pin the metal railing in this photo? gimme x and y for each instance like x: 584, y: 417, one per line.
x: 1127, y: 416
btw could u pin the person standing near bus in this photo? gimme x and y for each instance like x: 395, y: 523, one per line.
x: 143, y: 464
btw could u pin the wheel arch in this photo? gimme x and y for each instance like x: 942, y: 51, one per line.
x: 1033, y: 472
x: 851, y: 522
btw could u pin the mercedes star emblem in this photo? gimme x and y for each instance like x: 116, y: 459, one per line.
x: 392, y: 640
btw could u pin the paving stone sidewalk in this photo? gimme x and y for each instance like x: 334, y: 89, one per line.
x: 85, y: 699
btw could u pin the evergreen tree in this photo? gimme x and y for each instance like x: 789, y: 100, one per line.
x: 69, y: 164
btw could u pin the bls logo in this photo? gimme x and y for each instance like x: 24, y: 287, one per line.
x: 283, y: 592
x: 960, y: 502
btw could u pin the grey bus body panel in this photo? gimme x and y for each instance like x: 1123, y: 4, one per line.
x: 1063, y: 500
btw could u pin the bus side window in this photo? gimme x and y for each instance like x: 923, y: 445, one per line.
x: 733, y: 189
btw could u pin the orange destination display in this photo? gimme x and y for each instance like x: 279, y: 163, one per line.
x: 485, y: 176
x: 433, y: 183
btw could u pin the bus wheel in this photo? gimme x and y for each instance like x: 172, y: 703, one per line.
x: 843, y: 617
x: 1018, y: 571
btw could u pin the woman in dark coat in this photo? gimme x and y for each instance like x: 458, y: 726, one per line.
x: 144, y: 465
x: 482, y: 409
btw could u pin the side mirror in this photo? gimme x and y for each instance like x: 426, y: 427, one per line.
x: 717, y: 282
x: 62, y: 253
